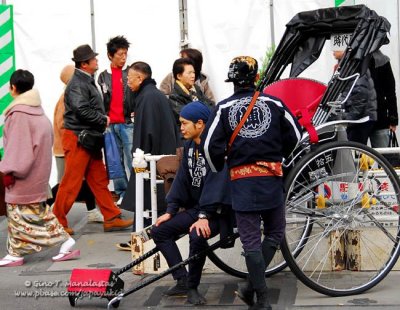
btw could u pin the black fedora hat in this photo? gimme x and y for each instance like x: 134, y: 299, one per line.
x: 83, y: 53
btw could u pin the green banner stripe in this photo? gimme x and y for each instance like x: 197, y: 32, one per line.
x: 345, y: 2
x: 7, y: 60
x: 7, y: 100
x: 4, y: 8
x: 6, y: 70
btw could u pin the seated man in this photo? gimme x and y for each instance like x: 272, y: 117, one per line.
x: 202, y: 213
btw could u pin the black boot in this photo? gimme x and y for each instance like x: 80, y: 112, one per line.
x: 262, y: 301
x: 180, y: 289
x: 246, y: 293
x: 256, y: 267
x: 195, y: 298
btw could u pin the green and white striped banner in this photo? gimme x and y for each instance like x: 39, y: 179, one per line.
x: 7, y: 60
x: 344, y: 2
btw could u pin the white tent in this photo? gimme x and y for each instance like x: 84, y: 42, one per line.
x: 46, y: 32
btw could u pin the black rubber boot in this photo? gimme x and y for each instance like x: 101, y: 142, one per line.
x: 256, y: 267
x: 246, y: 293
x: 195, y: 298
x: 269, y: 247
x: 180, y: 289
x: 262, y: 301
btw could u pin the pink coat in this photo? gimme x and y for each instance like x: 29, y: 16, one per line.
x: 27, y: 139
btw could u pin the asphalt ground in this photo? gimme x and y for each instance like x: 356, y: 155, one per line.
x: 41, y: 284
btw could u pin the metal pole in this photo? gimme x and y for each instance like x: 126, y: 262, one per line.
x: 92, y: 24
x: 139, y: 203
x: 4, y: 2
x: 183, y: 22
x: 398, y: 43
x: 271, y: 21
x: 153, y: 185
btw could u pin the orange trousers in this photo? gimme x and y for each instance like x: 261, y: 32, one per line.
x: 80, y: 164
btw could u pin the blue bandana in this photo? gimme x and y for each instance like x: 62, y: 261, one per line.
x: 194, y: 111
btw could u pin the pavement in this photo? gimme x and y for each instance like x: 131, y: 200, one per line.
x: 41, y: 284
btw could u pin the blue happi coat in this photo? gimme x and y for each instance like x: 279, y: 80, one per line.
x: 270, y: 133
x: 195, y: 185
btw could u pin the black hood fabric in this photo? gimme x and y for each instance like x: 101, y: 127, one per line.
x: 307, y: 32
x: 305, y: 36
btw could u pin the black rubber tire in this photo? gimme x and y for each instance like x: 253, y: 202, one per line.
x: 72, y: 300
x: 239, y: 273
x: 115, y: 304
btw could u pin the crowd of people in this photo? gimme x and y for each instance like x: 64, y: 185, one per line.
x: 230, y: 172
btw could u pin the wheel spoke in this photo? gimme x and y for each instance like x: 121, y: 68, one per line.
x: 351, y: 239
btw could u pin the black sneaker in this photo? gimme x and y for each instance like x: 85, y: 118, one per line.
x: 180, y: 289
x: 124, y: 246
x: 195, y: 298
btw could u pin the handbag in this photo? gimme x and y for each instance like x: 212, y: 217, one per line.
x: 393, y: 158
x: 114, y: 165
x: 91, y: 140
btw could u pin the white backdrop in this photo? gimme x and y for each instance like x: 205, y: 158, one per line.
x: 224, y: 29
x: 46, y: 32
x: 227, y: 28
x: 151, y: 26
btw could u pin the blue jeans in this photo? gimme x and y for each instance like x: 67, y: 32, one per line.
x: 379, y: 138
x: 124, y: 136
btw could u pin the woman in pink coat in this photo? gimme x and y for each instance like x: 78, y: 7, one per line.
x: 26, y: 167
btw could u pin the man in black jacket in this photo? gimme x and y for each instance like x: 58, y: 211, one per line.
x: 385, y: 87
x: 360, y: 102
x: 119, y: 106
x: 84, y: 111
x: 156, y: 131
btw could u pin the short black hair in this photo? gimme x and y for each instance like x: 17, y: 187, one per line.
x: 116, y: 43
x: 141, y: 67
x: 197, y: 57
x: 23, y: 80
x: 179, y: 66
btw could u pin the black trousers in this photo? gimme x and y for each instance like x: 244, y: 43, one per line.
x: 360, y: 132
x: 164, y: 237
x: 249, y: 227
x: 85, y: 194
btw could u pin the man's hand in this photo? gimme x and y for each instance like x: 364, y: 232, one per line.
x: 163, y: 218
x: 202, y: 228
x: 393, y: 128
x: 108, y: 121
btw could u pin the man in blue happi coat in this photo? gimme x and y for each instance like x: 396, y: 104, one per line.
x: 254, y: 156
x: 205, y: 199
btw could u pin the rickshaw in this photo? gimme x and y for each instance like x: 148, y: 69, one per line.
x: 342, y: 202
x: 342, y: 198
